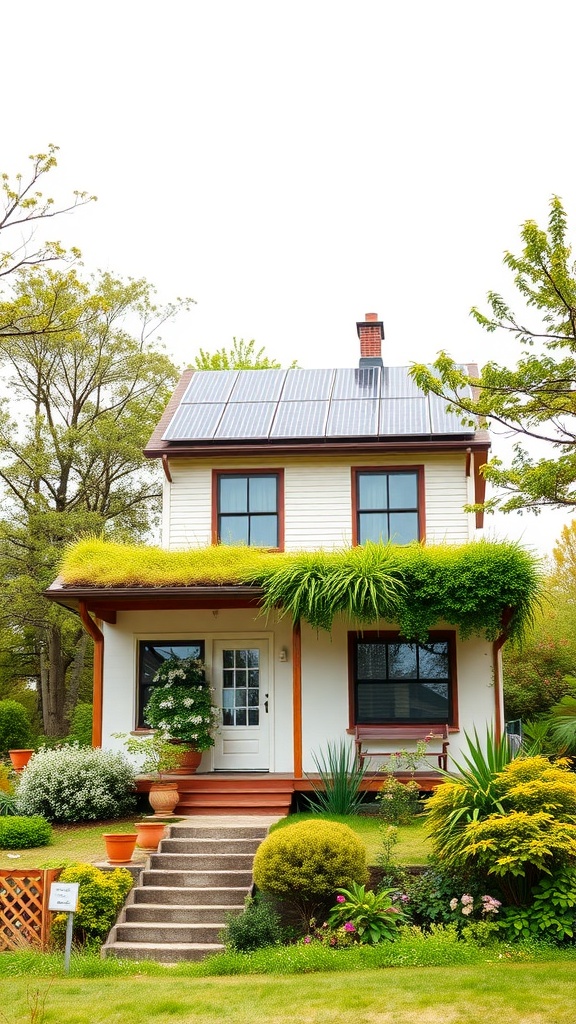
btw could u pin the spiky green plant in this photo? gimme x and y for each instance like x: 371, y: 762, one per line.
x: 341, y: 776
x: 562, y: 723
x: 469, y: 795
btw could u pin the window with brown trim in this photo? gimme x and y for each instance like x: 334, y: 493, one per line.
x: 398, y: 683
x: 249, y: 508
x: 388, y: 505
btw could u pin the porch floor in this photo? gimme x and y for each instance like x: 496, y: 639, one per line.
x: 266, y: 793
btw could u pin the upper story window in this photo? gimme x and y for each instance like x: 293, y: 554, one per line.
x: 388, y: 505
x: 151, y: 655
x: 399, y: 683
x: 249, y: 508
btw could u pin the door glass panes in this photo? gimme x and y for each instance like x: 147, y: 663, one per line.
x: 241, y: 686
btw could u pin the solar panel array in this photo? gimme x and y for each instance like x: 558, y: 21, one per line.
x: 369, y: 402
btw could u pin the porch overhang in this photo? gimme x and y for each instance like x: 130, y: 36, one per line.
x: 105, y: 602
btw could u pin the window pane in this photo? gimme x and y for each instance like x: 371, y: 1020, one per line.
x: 241, y: 698
x: 253, y: 698
x: 264, y: 531
x: 233, y: 494
x: 228, y: 678
x: 402, y: 702
x: 253, y: 716
x: 241, y: 716
x: 234, y: 530
x: 371, y: 661
x: 253, y: 655
x: 372, y: 492
x: 151, y: 655
x: 372, y: 526
x: 227, y: 717
x: 262, y: 494
x: 434, y: 661
x: 228, y: 698
x: 403, y: 490
x: 241, y: 658
x: 403, y: 527
x: 402, y: 661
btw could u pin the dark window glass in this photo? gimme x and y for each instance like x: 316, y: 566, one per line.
x: 387, y: 507
x: 401, y: 683
x: 248, y: 510
x: 151, y: 654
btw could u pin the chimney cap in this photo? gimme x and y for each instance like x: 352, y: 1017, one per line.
x: 370, y: 322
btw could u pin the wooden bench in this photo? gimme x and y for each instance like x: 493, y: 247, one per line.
x: 364, y: 734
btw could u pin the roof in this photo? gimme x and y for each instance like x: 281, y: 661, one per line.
x: 222, y: 409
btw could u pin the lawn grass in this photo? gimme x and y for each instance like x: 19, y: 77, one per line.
x: 520, y: 993
x: 413, y: 846
x: 84, y: 843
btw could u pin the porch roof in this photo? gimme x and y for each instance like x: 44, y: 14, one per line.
x: 105, y: 602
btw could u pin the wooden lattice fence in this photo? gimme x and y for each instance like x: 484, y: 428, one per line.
x: 24, y: 914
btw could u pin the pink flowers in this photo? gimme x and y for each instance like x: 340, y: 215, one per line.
x: 349, y: 927
x: 340, y: 899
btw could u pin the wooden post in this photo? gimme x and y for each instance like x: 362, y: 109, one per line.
x: 297, y: 696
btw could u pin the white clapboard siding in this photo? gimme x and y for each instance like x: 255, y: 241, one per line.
x: 318, y: 499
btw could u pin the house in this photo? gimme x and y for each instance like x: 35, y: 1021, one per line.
x: 292, y: 460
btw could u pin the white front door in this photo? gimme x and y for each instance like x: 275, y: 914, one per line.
x: 241, y: 683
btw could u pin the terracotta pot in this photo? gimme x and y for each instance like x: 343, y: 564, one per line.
x: 119, y: 846
x: 163, y: 797
x: 20, y: 758
x: 149, y: 834
x: 189, y: 761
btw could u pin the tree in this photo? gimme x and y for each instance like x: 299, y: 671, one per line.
x: 85, y: 393
x: 242, y: 356
x: 23, y: 207
x: 535, y: 400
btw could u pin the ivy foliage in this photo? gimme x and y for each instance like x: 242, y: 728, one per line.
x: 473, y: 586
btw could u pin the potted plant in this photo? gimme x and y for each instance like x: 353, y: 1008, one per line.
x: 158, y: 756
x: 181, y: 707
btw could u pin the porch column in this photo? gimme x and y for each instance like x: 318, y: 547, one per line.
x: 98, y: 674
x: 297, y: 697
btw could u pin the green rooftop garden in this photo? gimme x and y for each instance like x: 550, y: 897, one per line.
x: 475, y: 587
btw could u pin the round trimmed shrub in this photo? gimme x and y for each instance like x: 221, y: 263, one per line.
x: 310, y: 859
x: 15, y: 727
x: 100, y: 898
x: 18, y: 833
x: 76, y: 784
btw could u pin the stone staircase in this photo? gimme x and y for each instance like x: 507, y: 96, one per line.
x: 200, y: 874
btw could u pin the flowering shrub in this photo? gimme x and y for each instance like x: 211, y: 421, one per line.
x: 100, y: 897
x: 334, y: 938
x: 181, y: 703
x: 399, y: 801
x: 77, y: 784
x: 367, y: 916
x: 465, y: 905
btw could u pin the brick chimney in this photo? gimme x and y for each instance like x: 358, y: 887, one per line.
x: 371, y: 333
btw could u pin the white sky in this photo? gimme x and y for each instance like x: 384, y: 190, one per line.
x: 292, y: 166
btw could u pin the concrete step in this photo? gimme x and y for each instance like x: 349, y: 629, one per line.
x: 168, y: 932
x: 180, y: 914
x: 232, y: 896
x: 166, y: 952
x: 250, y: 831
x: 201, y: 861
x: 209, y: 846
x: 202, y: 879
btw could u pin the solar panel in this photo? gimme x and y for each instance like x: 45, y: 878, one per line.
x: 355, y: 418
x: 327, y: 403
x: 308, y: 385
x: 210, y: 386
x: 444, y: 422
x: 404, y: 416
x: 197, y: 421
x: 245, y: 420
x: 360, y: 383
x: 258, y: 386
x: 300, y: 419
